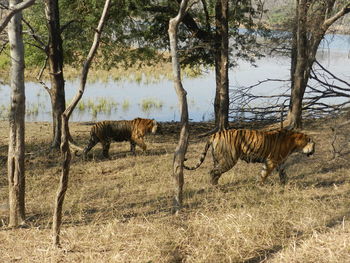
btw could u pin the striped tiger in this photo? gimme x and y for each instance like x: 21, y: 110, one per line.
x: 268, y: 147
x: 124, y: 130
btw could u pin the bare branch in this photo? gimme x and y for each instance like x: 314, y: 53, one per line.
x: 40, y: 75
x: 37, y: 38
x: 247, y: 106
x: 328, y: 22
x: 12, y: 10
x: 66, y: 25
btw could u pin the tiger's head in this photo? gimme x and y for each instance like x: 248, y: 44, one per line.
x: 304, y: 143
x: 146, y: 125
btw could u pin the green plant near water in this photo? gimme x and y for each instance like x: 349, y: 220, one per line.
x: 98, y: 105
x: 150, y: 104
x: 32, y: 109
x: 4, y: 111
x: 126, y: 105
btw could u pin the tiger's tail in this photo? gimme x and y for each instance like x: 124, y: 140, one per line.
x: 202, y: 157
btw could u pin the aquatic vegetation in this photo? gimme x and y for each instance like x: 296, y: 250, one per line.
x: 98, y: 105
x: 4, y: 112
x: 33, y: 109
x: 126, y: 105
x: 149, y: 104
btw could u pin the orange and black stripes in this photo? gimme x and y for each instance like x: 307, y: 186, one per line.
x: 271, y: 148
x: 124, y: 130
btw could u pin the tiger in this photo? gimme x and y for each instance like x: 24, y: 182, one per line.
x: 124, y: 130
x: 268, y: 147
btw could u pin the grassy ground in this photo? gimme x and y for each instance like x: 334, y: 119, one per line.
x: 119, y: 210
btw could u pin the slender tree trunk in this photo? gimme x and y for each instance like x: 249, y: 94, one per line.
x: 221, y: 102
x: 180, y: 151
x: 16, y: 176
x: 303, y: 56
x: 55, y: 55
x: 224, y: 87
x: 66, y: 153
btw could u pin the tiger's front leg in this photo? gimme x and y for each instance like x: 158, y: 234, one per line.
x: 92, y: 142
x: 139, y: 141
x: 266, y: 171
x: 282, y: 174
x: 132, y: 147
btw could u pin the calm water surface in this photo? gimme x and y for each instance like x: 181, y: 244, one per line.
x: 128, y: 99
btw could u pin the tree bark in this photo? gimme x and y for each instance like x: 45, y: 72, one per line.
x: 221, y: 102
x: 16, y: 171
x: 55, y: 58
x: 180, y: 151
x: 298, y: 78
x: 66, y: 153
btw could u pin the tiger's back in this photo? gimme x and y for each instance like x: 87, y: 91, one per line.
x: 112, y: 130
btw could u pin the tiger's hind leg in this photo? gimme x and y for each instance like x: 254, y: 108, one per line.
x: 92, y: 142
x: 218, y: 169
x: 105, y: 148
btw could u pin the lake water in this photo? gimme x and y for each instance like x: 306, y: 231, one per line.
x: 127, y: 99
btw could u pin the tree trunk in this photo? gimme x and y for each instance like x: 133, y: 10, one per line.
x: 306, y: 44
x: 298, y: 78
x: 180, y: 151
x: 221, y: 102
x: 16, y: 149
x: 66, y: 153
x: 55, y: 58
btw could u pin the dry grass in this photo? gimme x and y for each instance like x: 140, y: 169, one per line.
x: 119, y: 210
x: 148, y: 74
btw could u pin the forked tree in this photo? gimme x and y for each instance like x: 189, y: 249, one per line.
x: 181, y: 148
x: 12, y: 10
x: 16, y: 175
x: 313, y: 19
x: 65, y: 150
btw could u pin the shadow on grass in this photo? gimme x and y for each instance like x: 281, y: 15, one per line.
x: 125, y: 154
x: 264, y: 254
x: 338, y: 220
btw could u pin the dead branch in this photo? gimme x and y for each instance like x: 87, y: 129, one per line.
x: 318, y: 101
